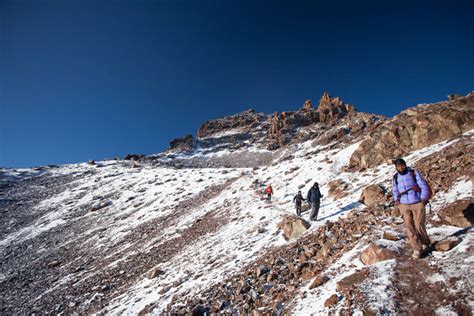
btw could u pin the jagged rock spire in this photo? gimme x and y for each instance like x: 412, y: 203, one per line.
x: 327, y: 101
x: 308, y: 105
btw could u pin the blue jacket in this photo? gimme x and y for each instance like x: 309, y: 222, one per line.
x: 404, y: 190
x: 313, y: 195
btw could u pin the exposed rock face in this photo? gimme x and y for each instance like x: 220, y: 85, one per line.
x: 283, y: 125
x: 134, y: 157
x: 183, y: 143
x: 376, y: 253
x: 415, y: 128
x: 293, y: 227
x: 328, y: 104
x: 277, y: 130
x: 266, y: 284
x: 372, y: 195
x: 308, y: 105
x: 444, y: 168
x: 460, y: 213
x: 247, y: 118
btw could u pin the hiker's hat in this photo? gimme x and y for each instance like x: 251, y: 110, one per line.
x: 399, y: 161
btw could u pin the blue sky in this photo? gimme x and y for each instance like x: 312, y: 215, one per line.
x: 86, y: 80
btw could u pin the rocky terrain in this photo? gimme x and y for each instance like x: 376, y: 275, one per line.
x: 187, y: 231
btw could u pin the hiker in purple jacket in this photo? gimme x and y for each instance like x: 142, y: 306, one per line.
x: 411, y: 193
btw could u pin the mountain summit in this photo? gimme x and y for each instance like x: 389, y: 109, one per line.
x: 190, y: 230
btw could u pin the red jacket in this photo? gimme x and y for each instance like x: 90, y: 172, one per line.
x: 269, y: 190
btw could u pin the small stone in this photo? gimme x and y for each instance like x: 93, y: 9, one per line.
x: 390, y: 236
x: 153, y: 273
x: 376, y: 253
x: 447, y: 245
x: 320, y: 280
x: 53, y: 264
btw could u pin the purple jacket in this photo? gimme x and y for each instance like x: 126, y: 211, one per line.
x: 405, y: 184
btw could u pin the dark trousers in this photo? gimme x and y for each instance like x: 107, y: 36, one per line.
x: 298, y: 209
x: 314, y: 210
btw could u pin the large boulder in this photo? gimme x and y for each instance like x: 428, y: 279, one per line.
x: 377, y: 252
x: 331, y: 301
x: 459, y: 213
x: 338, y: 189
x: 372, y: 195
x: 351, y: 280
x: 293, y: 226
x: 447, y: 244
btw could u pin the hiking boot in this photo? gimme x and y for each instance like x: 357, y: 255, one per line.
x: 416, y: 254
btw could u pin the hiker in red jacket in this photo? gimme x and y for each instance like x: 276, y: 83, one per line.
x: 269, y: 192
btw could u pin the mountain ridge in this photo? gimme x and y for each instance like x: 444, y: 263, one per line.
x: 187, y: 231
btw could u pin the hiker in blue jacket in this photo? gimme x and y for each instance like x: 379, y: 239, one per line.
x: 411, y: 192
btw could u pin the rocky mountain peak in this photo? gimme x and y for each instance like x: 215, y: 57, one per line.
x: 327, y: 101
x: 334, y: 104
x: 248, y: 118
x: 308, y: 105
x: 210, y: 242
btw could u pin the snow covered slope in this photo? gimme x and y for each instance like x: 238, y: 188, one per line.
x: 120, y: 237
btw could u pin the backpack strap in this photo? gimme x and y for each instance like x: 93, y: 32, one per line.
x: 413, y: 174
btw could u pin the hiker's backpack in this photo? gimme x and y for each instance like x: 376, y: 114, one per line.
x: 416, y: 188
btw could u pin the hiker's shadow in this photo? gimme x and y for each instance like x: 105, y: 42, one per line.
x: 432, y: 247
x: 346, y: 208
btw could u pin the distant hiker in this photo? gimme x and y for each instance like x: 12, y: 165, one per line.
x: 269, y: 192
x: 314, y: 198
x: 297, y: 200
x: 255, y: 183
x: 411, y: 192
